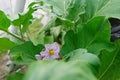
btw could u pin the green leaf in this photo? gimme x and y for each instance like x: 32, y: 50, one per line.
x: 37, y: 35
x: 101, y: 8
x: 59, y: 6
x: 41, y: 70
x: 15, y: 76
x: 4, y: 21
x: 110, y: 64
x: 65, y: 22
x: 48, y: 39
x: 49, y: 25
x: 90, y: 10
x: 94, y: 36
x: 105, y: 8
x: 25, y: 53
x: 76, y: 8
x: 5, y: 24
x: 83, y: 56
x: 68, y: 11
x: 6, y: 44
x: 34, y: 30
x: 55, y: 31
x: 34, y: 3
x: 24, y: 19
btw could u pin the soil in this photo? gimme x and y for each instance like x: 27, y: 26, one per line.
x: 4, y: 59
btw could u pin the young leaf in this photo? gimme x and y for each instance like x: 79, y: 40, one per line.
x: 34, y: 3
x: 55, y: 31
x: 110, y: 64
x: 25, y: 53
x: 94, y: 36
x: 24, y: 19
x: 34, y: 30
x: 41, y: 70
x: 36, y: 35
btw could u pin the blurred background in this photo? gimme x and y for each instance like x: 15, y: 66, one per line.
x: 12, y: 7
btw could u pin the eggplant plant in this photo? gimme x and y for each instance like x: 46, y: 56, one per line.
x: 76, y: 42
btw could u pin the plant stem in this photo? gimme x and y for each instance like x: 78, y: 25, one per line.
x: 21, y: 32
x: 13, y: 35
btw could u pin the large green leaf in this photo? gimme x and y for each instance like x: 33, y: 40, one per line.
x: 83, y: 56
x: 94, y: 36
x: 101, y: 8
x: 90, y: 10
x: 25, y: 53
x: 4, y: 21
x: 110, y: 64
x: 105, y: 8
x: 41, y: 70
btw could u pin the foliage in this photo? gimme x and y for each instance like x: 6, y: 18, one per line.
x: 80, y: 27
x: 73, y: 70
x: 24, y: 19
x: 110, y: 63
x: 65, y: 71
x: 89, y: 36
x: 24, y: 53
x: 15, y: 76
x: 7, y: 46
x: 4, y: 21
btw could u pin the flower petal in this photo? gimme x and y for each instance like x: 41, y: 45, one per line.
x: 55, y: 56
x: 47, y: 47
x: 44, y: 53
x: 47, y: 58
x: 38, y: 57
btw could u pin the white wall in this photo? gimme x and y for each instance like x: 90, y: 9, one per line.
x: 5, y: 5
x: 13, y: 6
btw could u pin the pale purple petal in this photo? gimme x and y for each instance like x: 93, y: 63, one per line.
x: 38, y: 57
x: 57, y: 51
x: 47, y: 47
x: 44, y: 53
x: 56, y: 46
x: 51, y: 57
x: 55, y: 56
x: 47, y: 58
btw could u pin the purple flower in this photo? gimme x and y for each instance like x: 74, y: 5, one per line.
x: 51, y: 52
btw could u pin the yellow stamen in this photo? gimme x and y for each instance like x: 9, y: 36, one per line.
x: 51, y: 52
